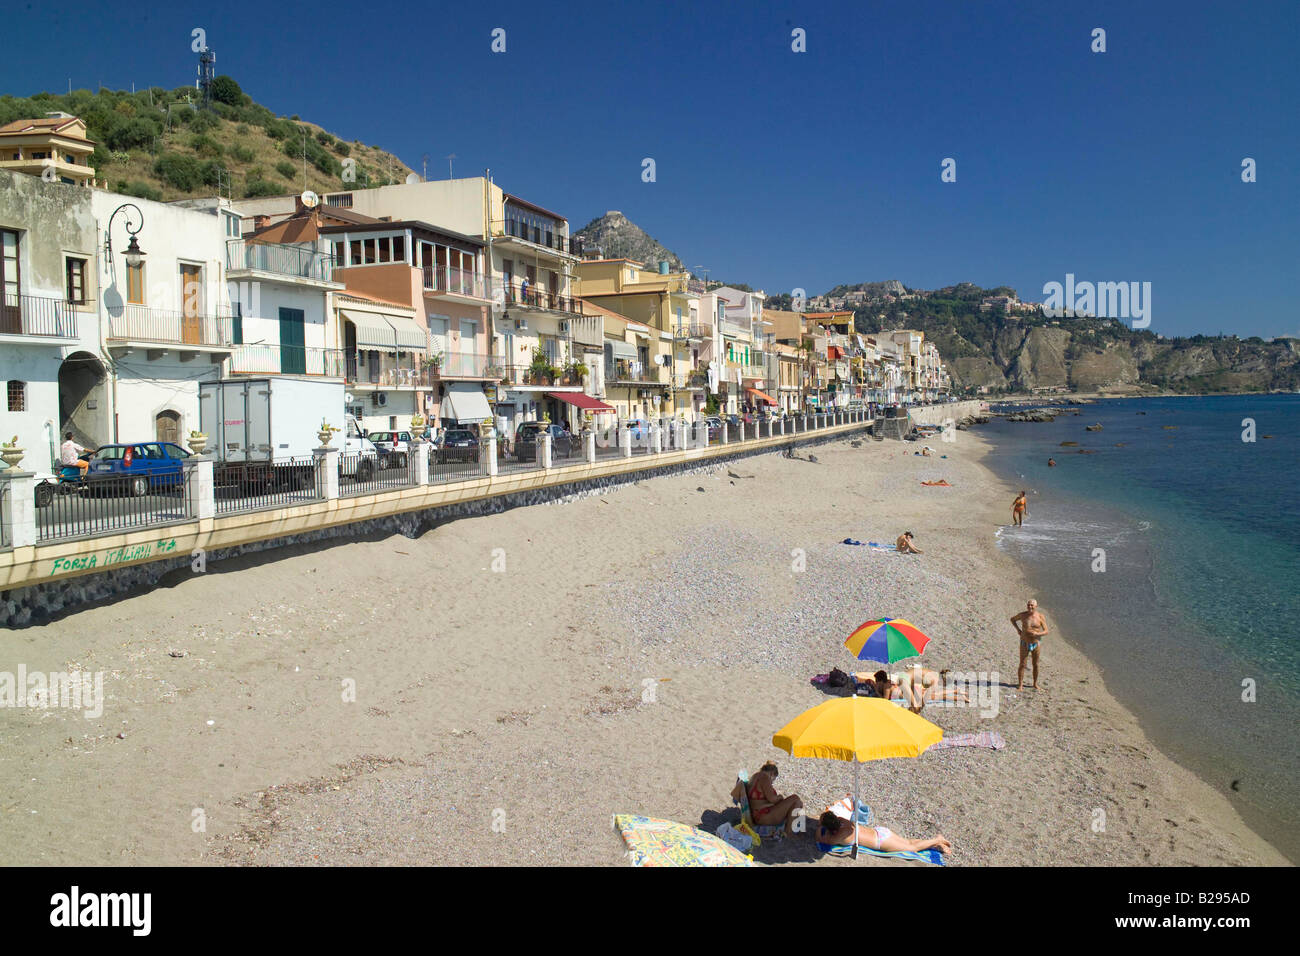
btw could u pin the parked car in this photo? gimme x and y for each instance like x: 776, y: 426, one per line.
x: 140, y: 468
x: 456, y: 444
x: 563, y: 444
x: 714, y: 425
x: 393, y: 448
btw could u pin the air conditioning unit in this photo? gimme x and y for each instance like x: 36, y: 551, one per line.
x: 521, y: 324
x: 381, y: 399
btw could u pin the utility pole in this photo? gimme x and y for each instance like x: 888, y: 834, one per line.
x: 449, y: 159
x: 425, y: 175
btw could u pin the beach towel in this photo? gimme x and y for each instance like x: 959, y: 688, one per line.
x: 873, y: 545
x: 989, y: 739
x: 841, y: 809
x: 765, y: 831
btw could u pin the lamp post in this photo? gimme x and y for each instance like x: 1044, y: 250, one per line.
x: 134, y: 254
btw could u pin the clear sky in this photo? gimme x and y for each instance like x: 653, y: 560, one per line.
x: 785, y: 169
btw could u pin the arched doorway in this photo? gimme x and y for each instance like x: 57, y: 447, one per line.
x: 83, y: 405
x: 167, y: 426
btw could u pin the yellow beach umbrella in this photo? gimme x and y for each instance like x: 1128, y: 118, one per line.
x: 857, y: 729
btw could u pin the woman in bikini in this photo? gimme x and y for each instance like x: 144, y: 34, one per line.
x: 767, y: 806
x: 1018, y: 509
x: 932, y: 685
x: 890, y: 687
x: 836, y: 831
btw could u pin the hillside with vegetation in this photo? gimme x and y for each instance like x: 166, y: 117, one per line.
x: 160, y: 144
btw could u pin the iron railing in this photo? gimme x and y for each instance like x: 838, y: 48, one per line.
x: 383, y: 369
x: 37, y: 315
x: 279, y: 258
x: 253, y: 485
x: 99, y: 506
x: 454, y: 281
x: 142, y: 324
x: 537, y: 298
x: 287, y: 360
x: 531, y: 375
x: 360, y: 474
x: 542, y: 236
x: 454, y: 464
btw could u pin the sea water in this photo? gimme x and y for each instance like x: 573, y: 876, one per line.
x: 1171, y: 557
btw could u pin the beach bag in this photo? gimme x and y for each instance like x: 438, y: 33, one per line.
x: 838, y: 678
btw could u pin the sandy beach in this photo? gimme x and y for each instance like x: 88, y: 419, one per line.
x: 520, y: 678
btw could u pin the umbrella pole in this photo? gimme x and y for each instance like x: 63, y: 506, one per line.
x: 856, y: 767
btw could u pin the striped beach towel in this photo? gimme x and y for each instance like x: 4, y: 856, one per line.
x: 988, y: 739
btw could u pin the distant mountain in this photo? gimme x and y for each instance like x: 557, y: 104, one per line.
x: 617, y: 237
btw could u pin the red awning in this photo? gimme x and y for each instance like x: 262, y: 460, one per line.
x: 763, y: 396
x: 579, y: 400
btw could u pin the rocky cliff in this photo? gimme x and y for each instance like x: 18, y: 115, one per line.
x: 617, y: 237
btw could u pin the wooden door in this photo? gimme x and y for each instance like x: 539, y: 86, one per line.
x: 192, y: 305
x: 167, y: 426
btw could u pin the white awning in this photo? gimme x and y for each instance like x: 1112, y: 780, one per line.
x: 380, y: 330
x: 623, y: 350
x: 464, y: 403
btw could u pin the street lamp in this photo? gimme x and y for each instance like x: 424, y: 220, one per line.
x: 134, y: 254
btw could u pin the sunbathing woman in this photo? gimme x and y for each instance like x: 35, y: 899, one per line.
x: 932, y: 685
x: 767, y: 806
x: 837, y: 831
x: 892, y: 687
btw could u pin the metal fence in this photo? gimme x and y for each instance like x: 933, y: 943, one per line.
x: 454, y: 464
x: 250, y: 486
x: 360, y: 474
x: 106, y: 505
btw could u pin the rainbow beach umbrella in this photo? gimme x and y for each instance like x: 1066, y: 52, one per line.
x: 886, y: 640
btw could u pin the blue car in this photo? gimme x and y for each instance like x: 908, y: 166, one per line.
x: 153, y: 466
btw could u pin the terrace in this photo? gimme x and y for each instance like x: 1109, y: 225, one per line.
x: 448, y: 281
x: 38, y: 316
x: 299, y: 263
x: 132, y: 324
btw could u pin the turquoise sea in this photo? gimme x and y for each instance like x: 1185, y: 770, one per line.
x: 1194, y: 620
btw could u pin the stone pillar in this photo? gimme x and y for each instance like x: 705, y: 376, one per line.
x: 326, y: 461
x: 487, y: 454
x: 680, y: 433
x: 589, y: 445
x: 19, y: 514
x: 656, y: 438
x: 417, y: 462
x: 200, y: 488
x: 625, y: 441
x: 544, y: 449
x: 724, y: 431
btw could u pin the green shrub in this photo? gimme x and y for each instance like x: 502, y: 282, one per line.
x: 213, y: 173
x: 286, y: 169
x: 242, y: 129
x: 342, y: 148
x: 139, y: 190
x: 226, y: 90
x: 181, y: 172
x: 260, y: 187
x: 204, y: 122
x: 242, y: 153
x: 324, y: 138
x: 205, y: 146
x: 137, y: 133
x: 254, y: 172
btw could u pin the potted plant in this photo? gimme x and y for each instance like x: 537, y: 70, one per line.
x: 12, y: 453
x: 326, y: 433
x: 197, y: 441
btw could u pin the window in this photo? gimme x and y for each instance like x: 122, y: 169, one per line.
x: 338, y: 253
x: 75, y: 272
x: 135, y: 284
x: 17, y: 396
x: 399, y: 248
x: 10, y: 273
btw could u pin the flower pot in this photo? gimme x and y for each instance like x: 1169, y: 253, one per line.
x: 198, y: 443
x: 12, y: 457
x: 324, y: 437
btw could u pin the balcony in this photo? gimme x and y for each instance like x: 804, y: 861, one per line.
x: 140, y: 324
x: 38, y: 316
x: 455, y: 283
x: 735, y: 330
x: 693, y: 331
x: 468, y: 365
x: 627, y: 372
x: 384, y: 370
x: 540, y: 236
x: 286, y: 360
x: 535, y: 298
x: 278, y: 259
x: 534, y: 378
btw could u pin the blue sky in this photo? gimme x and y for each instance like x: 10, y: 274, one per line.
x: 786, y: 169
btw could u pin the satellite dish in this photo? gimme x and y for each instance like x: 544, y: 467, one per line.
x: 412, y: 178
x: 310, y: 199
x: 348, y: 399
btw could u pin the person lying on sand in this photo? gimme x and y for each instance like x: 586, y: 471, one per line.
x: 892, y: 687
x: 932, y: 685
x: 767, y: 806
x: 905, y: 546
x: 1031, y: 627
x: 837, y: 831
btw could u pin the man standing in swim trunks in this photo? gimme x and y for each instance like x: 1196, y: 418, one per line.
x: 1031, y: 627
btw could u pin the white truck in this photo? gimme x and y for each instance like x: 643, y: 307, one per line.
x: 262, y: 432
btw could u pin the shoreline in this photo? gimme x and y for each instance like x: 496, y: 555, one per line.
x: 520, y: 698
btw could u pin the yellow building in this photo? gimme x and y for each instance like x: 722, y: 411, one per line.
x: 658, y: 307
x: 55, y: 147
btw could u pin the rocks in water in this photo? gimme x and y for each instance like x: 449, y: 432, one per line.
x: 1069, y: 444
x: 1034, y: 415
x: 1093, y: 428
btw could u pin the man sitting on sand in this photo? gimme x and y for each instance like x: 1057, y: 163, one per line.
x: 836, y: 831
x: 767, y: 806
x: 905, y: 546
x: 1031, y: 628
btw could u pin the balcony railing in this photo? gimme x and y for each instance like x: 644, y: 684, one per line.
x: 527, y: 375
x: 454, y: 281
x: 385, y: 370
x: 735, y: 329
x: 465, y: 365
x: 286, y: 360
x: 536, y: 298
x: 279, y: 258
x: 138, y: 323
x: 693, y: 330
x: 37, y: 315
x: 625, y: 371
x: 541, y: 236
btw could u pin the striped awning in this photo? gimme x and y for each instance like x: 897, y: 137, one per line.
x: 381, y: 330
x: 623, y: 350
